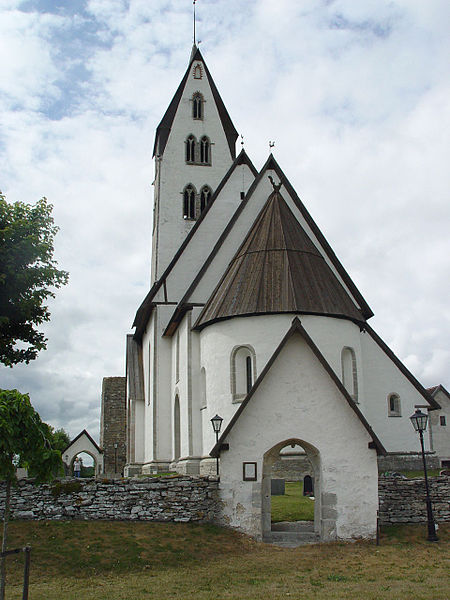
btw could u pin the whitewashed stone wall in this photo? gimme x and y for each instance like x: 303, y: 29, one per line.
x: 178, y: 499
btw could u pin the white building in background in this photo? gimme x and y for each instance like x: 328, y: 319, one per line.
x: 439, y: 430
x: 251, y: 316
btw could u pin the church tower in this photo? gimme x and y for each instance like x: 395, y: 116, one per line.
x: 194, y: 148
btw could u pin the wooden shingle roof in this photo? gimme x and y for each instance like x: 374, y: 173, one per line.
x: 278, y: 269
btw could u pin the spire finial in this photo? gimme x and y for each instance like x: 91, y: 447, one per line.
x: 271, y: 145
x: 195, y: 41
x: 242, y: 141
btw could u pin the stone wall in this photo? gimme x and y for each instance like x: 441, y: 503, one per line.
x: 184, y: 498
x: 411, y: 461
x: 403, y: 500
x: 292, y: 468
x: 176, y: 499
x: 113, y: 425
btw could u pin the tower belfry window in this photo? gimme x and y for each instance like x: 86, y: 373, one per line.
x: 197, y: 106
x: 205, y: 197
x: 205, y: 151
x: 189, y: 202
x: 198, y: 73
x: 190, y: 149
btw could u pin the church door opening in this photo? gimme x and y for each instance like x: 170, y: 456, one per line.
x: 290, y: 486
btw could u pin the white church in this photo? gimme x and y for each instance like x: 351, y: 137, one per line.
x: 251, y: 316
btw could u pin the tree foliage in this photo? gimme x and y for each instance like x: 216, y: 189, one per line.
x: 27, y: 272
x: 25, y: 439
x: 60, y: 439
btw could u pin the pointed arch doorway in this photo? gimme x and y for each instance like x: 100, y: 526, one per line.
x: 270, y: 458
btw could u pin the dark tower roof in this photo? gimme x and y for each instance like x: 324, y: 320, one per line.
x: 278, y: 269
x: 163, y: 129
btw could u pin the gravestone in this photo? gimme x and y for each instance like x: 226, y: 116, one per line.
x: 308, y: 486
x: 277, y: 487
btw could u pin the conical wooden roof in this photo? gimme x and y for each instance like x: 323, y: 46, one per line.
x: 278, y: 269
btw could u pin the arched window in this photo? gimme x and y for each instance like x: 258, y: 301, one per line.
x: 203, y: 388
x: 176, y: 429
x: 177, y: 357
x: 349, y: 372
x: 394, y: 408
x: 198, y: 71
x: 197, y: 106
x: 190, y: 149
x: 242, y: 371
x: 205, y: 151
x: 205, y: 197
x: 189, y: 202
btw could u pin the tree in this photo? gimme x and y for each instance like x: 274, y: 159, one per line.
x: 24, y: 439
x: 27, y: 272
x: 60, y: 439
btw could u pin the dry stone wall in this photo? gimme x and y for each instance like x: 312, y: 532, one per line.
x: 403, y: 500
x: 178, y: 499
x: 186, y: 498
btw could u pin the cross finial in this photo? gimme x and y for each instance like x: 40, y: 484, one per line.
x: 276, y: 187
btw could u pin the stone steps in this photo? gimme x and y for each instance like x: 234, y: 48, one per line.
x: 292, y: 534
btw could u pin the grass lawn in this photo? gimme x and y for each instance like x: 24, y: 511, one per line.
x: 78, y: 560
x: 293, y: 506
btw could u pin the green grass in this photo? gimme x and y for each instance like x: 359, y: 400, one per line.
x: 137, y: 561
x: 293, y: 506
x: 414, y: 474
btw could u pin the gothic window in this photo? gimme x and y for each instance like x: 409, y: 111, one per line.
x: 197, y: 106
x: 189, y: 202
x: 205, y: 151
x: 243, y: 370
x: 349, y: 372
x: 394, y: 408
x: 205, y: 197
x: 198, y: 71
x: 190, y: 149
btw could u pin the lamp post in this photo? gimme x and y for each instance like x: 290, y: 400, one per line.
x: 419, y: 421
x: 216, y: 423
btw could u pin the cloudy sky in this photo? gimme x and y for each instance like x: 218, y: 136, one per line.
x: 354, y: 93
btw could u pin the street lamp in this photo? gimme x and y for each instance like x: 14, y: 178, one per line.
x: 419, y: 421
x: 216, y: 423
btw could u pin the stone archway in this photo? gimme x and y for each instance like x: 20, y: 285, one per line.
x: 83, y: 442
x: 269, y: 459
x: 96, y: 467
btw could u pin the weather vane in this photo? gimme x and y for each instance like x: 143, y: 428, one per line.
x: 242, y: 141
x: 271, y: 144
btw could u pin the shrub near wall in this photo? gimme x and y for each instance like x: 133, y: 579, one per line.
x: 403, y: 500
x: 178, y: 498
